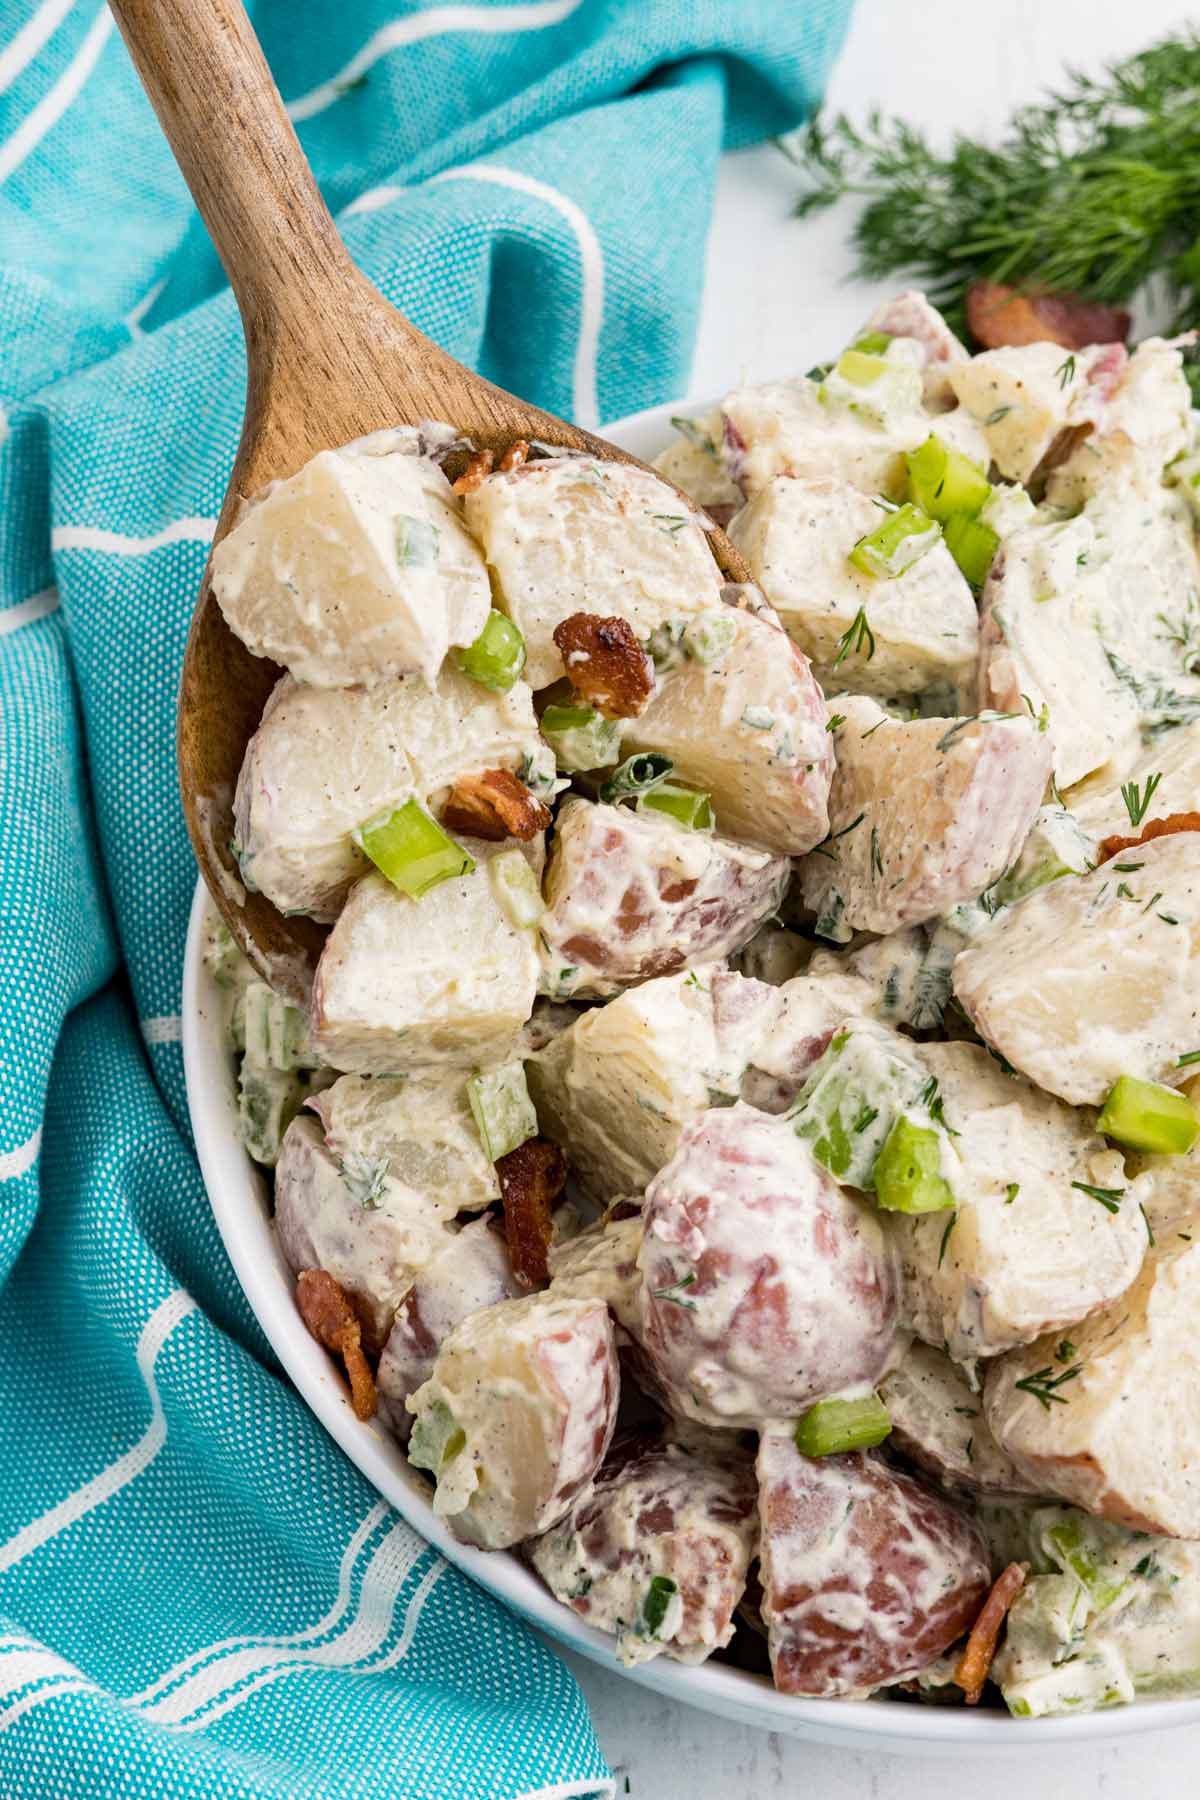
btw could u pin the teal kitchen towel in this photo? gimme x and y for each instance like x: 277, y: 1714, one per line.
x: 198, y: 1595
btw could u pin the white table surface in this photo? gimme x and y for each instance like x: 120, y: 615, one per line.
x: 776, y: 295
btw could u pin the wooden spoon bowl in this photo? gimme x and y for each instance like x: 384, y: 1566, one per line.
x: 328, y: 360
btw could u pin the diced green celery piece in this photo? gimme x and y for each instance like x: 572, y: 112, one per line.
x: 274, y: 1033
x: 581, y: 738
x: 497, y: 657
x: 222, y: 958
x: 502, y: 1109
x: 944, y: 482
x: 1103, y: 1586
x: 850, y: 1100
x: 268, y: 1101
x: 1056, y: 846
x: 895, y: 545
x: 684, y: 805
x: 859, y: 368
x: 1146, y: 1116
x: 637, y: 775
x: 707, y: 637
x: 437, y: 1438
x: 973, y: 545
x: 412, y: 850
x: 416, y: 542
x: 873, y: 343
x: 515, y: 888
x: 833, y: 1426
x: 908, y: 1174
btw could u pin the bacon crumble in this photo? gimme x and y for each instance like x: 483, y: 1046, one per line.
x: 971, y: 1670
x: 494, y: 806
x: 606, y: 664
x: 515, y: 457
x: 326, y: 1310
x: 531, y: 1179
x: 476, y: 470
x: 1168, y: 827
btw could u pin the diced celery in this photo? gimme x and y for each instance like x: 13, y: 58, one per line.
x: 895, y: 545
x: 222, y: 958
x: 497, y: 657
x: 973, y: 545
x: 268, y: 1101
x: 437, y: 1438
x: 707, y: 637
x: 850, y: 1100
x: 874, y: 343
x: 515, y: 888
x: 684, y: 805
x: 1056, y: 846
x: 859, y: 367
x: 833, y: 1426
x: 944, y: 482
x: 581, y: 738
x: 416, y: 542
x: 274, y: 1034
x: 412, y: 850
x: 502, y: 1109
x: 1102, y: 1581
x: 908, y: 1174
x: 1146, y: 1116
x: 637, y: 775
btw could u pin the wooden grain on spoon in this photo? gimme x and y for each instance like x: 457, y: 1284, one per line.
x: 328, y: 360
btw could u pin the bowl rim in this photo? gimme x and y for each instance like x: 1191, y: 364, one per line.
x: 238, y: 1195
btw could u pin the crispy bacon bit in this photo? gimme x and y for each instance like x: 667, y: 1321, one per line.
x: 531, y: 1179
x: 1000, y: 316
x: 514, y: 457
x: 972, y: 1668
x: 494, y: 805
x: 1168, y: 827
x: 326, y: 1310
x: 479, y: 466
x: 606, y: 664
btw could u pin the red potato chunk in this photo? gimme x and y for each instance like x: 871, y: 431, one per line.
x: 867, y: 1575
x: 633, y: 895
x: 516, y: 1417
x: 472, y: 1271
x: 766, y: 1286
x: 370, y: 1232
x: 658, y: 1550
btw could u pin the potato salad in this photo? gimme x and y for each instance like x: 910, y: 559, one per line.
x: 744, y: 1137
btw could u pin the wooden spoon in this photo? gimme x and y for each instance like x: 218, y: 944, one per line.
x: 328, y: 360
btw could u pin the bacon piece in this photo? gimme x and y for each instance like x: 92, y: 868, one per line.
x: 1174, y: 822
x: 972, y: 1668
x: 606, y: 664
x: 326, y: 1310
x: 479, y: 466
x: 514, y: 457
x: 494, y: 805
x: 531, y: 1178
x: 1000, y: 316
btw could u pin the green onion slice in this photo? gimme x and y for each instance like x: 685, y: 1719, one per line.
x: 1146, y: 1116
x: 833, y: 1426
x: 908, y: 1172
x: 412, y: 850
x: 497, y: 657
x: 687, y: 807
x: 637, y: 775
x: 943, y: 481
x: 894, y: 546
x: 973, y: 545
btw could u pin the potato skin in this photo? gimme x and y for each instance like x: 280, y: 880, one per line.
x: 867, y: 1575
x: 766, y: 1286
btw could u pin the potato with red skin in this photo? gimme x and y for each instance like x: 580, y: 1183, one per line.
x: 766, y: 1286
x: 657, y: 1513
x: 515, y: 1419
x: 867, y: 1575
x: 632, y: 895
x: 472, y: 1271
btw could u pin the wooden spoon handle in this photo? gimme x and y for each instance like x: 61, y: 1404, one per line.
x: 215, y: 97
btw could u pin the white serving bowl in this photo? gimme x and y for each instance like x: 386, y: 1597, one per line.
x: 240, y: 1202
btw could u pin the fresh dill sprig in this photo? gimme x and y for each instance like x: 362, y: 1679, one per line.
x: 1044, y: 1384
x: 1137, y: 802
x: 1092, y: 190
